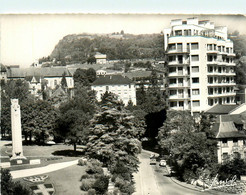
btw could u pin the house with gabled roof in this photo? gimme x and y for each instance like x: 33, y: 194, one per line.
x: 121, y: 86
x: 231, y: 135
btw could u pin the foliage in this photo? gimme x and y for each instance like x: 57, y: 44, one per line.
x: 78, y: 48
x: 101, y: 184
x: 74, y: 116
x: 38, y: 119
x: 231, y: 168
x: 84, y: 77
x: 94, y: 167
x: 87, y: 184
x: 241, y: 73
x: 91, y: 60
x: 63, y: 81
x: 13, y: 89
x: 9, y: 187
x: 184, y: 139
x: 113, y: 135
x: 124, y: 186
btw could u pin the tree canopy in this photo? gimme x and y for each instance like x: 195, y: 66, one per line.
x: 184, y: 138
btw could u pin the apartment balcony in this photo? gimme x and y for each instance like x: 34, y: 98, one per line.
x: 179, y: 85
x: 212, y: 51
x: 221, y: 95
x: 178, y: 97
x: 183, y: 62
x: 221, y: 73
x: 212, y: 62
x: 231, y: 54
x: 178, y: 74
x: 179, y: 50
x: 221, y: 84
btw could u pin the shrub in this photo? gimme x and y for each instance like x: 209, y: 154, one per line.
x: 229, y: 169
x: 101, y: 184
x: 87, y: 184
x: 92, y: 192
x: 86, y: 176
x: 82, y: 162
x: 94, y: 167
x: 124, y: 186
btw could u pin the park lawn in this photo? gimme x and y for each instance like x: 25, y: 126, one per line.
x: 66, y: 181
x: 35, y: 150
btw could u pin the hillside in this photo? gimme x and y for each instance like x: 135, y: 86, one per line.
x: 77, y: 48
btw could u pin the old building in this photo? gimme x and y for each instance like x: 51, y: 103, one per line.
x: 231, y: 135
x: 101, y: 58
x: 200, y: 65
x: 36, y: 77
x: 122, y: 86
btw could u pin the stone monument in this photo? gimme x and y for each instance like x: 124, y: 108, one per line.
x: 17, y: 150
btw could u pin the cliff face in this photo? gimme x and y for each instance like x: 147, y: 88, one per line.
x: 77, y: 48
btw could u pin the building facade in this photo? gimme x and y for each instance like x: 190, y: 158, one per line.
x: 101, y: 58
x: 200, y: 65
x: 231, y: 137
x: 121, y: 86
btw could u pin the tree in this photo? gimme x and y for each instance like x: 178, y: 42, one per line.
x: 74, y: 116
x: 231, y: 168
x: 13, y: 89
x: 9, y: 187
x: 113, y: 135
x: 188, y: 143
x: 38, y: 120
x: 84, y: 77
x: 91, y: 60
x: 64, y: 81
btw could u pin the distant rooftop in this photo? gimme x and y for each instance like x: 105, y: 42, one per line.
x: 112, y: 80
x: 221, y: 109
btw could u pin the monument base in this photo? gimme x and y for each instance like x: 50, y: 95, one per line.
x: 19, y: 160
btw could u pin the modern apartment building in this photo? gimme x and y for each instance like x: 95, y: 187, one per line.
x: 200, y: 65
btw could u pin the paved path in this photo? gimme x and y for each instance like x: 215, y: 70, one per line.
x: 42, y: 170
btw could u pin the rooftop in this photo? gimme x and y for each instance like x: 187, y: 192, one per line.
x: 45, y: 72
x: 112, y: 80
x: 221, y: 109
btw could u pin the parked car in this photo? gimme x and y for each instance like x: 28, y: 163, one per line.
x: 152, y: 161
x: 163, y: 163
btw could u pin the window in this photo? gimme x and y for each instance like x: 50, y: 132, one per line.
x: 210, y: 69
x: 195, y: 68
x: 179, y: 46
x: 235, y: 142
x: 178, y: 32
x: 225, y: 156
x: 196, y: 103
x: 210, y: 58
x: 107, y: 88
x: 219, y: 48
x: 210, y: 47
x: 172, y: 69
x: 195, y: 58
x: 172, y: 46
x: 181, y: 104
x: 195, y: 80
x: 211, y: 102
x: 227, y: 50
x: 194, y: 46
x: 173, y: 104
x: 55, y: 82
x: 171, y: 58
x: 224, y: 143
x: 195, y: 92
x: 172, y: 81
x: 173, y: 92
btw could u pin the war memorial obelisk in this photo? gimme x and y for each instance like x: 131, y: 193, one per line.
x: 17, y: 150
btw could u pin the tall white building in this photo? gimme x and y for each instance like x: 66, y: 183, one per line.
x: 200, y: 65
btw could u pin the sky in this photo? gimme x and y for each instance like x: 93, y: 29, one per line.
x: 31, y: 29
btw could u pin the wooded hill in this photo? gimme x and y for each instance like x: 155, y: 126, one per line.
x: 78, y: 48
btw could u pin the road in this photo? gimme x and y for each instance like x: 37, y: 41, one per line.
x: 153, y: 180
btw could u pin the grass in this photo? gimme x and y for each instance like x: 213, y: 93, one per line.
x: 44, y: 153
x: 66, y: 181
